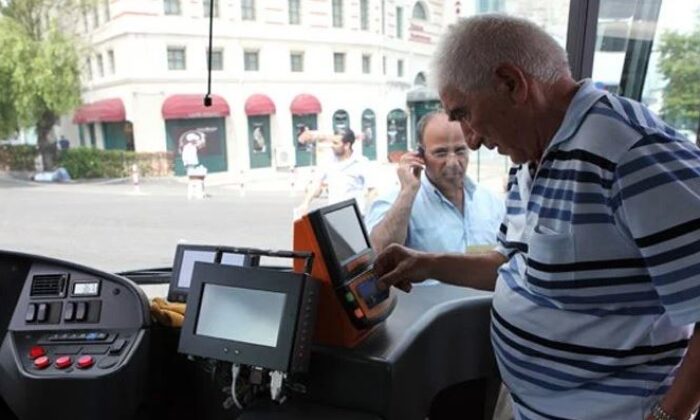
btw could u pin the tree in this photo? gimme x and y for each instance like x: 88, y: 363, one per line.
x: 680, y: 65
x: 39, y: 71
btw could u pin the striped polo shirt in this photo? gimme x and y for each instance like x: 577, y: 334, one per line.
x: 595, y: 305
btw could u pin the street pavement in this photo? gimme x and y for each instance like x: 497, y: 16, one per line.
x: 114, y: 225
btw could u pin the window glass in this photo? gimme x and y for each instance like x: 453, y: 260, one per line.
x: 251, y: 62
x: 176, y: 58
x: 650, y: 51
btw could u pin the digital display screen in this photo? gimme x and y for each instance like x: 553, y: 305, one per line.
x: 370, y: 292
x: 187, y: 265
x: 345, y: 231
x: 243, y: 315
x: 86, y: 289
x: 232, y: 259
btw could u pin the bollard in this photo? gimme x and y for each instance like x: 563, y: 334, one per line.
x: 242, y: 190
x: 135, y: 178
x: 293, y: 179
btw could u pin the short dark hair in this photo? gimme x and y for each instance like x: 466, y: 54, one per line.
x: 348, y: 137
x: 423, y: 124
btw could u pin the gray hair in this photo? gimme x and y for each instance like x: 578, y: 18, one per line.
x: 474, y: 47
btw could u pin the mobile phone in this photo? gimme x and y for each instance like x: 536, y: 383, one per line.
x: 421, y: 152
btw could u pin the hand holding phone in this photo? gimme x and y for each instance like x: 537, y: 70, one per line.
x: 409, y: 171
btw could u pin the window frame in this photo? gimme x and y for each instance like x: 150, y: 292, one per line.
x: 294, y: 13
x: 169, y: 10
x: 248, y: 10
x: 219, y: 51
x: 337, y: 13
x: 366, y: 63
x: 423, y: 8
x: 336, y: 62
x: 300, y: 55
x: 172, y: 60
x: 364, y: 15
x: 249, y: 54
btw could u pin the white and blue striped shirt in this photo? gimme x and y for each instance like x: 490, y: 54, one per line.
x: 594, y: 308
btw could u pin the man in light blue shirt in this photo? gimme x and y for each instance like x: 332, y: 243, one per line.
x: 438, y: 209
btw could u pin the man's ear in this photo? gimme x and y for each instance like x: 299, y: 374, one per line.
x: 512, y: 81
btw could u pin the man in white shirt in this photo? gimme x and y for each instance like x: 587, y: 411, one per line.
x: 347, y: 177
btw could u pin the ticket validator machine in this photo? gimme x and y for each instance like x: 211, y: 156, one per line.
x: 351, y: 301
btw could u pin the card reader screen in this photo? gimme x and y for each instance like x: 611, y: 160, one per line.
x: 243, y: 315
x: 187, y: 266
x: 345, y: 231
x: 370, y: 292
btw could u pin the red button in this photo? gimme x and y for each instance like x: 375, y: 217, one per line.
x: 42, y: 362
x: 86, y: 362
x: 36, y: 351
x: 63, y: 362
x: 359, y: 313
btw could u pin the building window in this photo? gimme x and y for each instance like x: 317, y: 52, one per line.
x: 100, y: 66
x: 217, y: 59
x: 337, y: 13
x: 297, y: 62
x: 399, y: 22
x: 366, y: 64
x: 364, y: 15
x: 108, y: 15
x: 176, y: 58
x: 420, y: 80
x: 251, y: 61
x: 490, y: 6
x: 86, y: 25
x: 294, y: 12
x: 207, y: 8
x: 248, y: 9
x: 419, y: 12
x: 172, y: 7
x: 384, y: 65
x: 383, y: 17
x: 339, y: 62
x: 96, y: 16
x: 399, y: 68
x: 88, y: 68
x: 110, y: 60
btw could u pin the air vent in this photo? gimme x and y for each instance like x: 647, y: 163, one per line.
x: 53, y: 285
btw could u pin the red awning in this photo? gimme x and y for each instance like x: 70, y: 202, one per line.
x: 305, y: 104
x: 192, y: 106
x: 106, y: 110
x: 259, y: 105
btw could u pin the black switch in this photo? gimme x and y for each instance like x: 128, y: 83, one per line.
x: 69, y: 312
x: 43, y: 312
x: 81, y: 311
x: 117, y: 346
x: 31, y: 313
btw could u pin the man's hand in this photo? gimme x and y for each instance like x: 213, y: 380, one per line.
x: 305, y: 137
x: 400, y: 266
x: 409, y: 170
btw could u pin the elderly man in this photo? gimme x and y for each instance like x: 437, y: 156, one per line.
x: 596, y: 276
x: 439, y: 209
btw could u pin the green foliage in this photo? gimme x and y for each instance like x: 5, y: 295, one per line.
x: 17, y: 158
x: 83, y: 162
x: 39, y: 71
x: 680, y: 65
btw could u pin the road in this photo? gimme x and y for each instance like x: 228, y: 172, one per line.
x: 110, y: 227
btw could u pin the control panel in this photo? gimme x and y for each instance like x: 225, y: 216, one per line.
x: 76, y: 353
x: 74, y: 331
